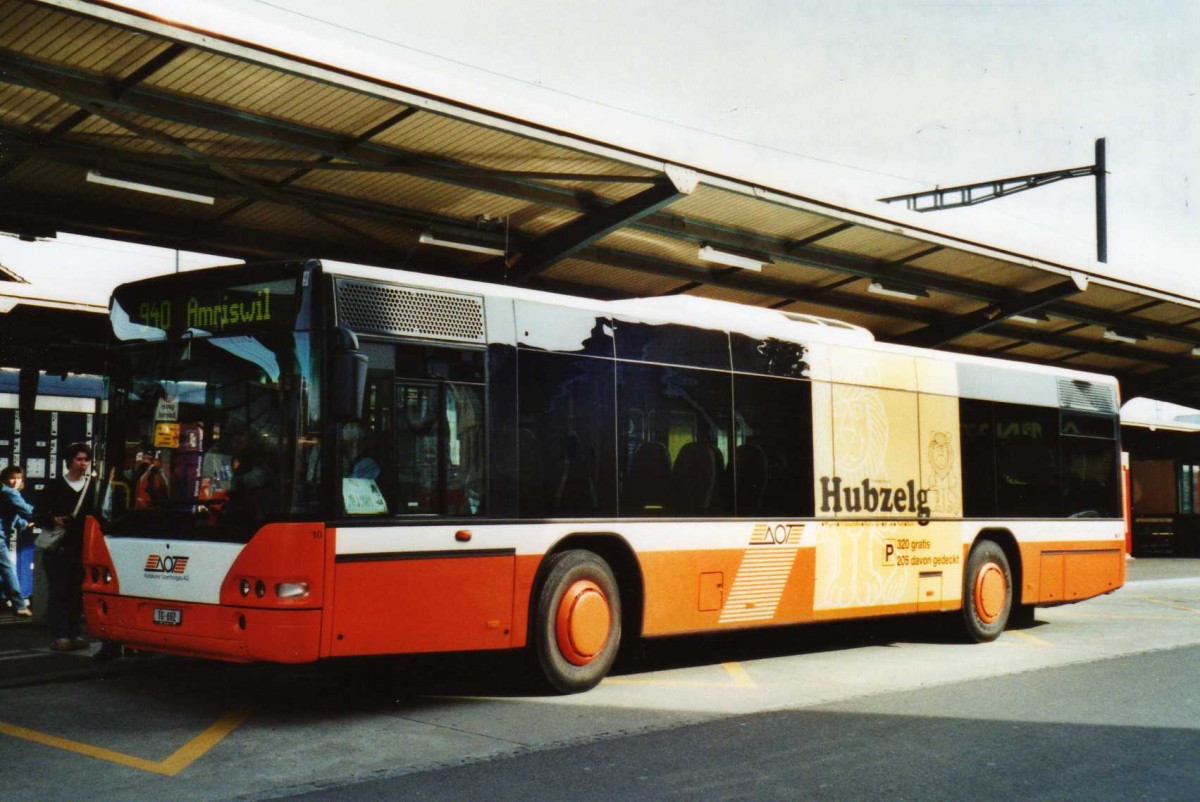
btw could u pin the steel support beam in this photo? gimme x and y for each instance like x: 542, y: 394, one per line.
x: 568, y: 239
x: 934, y: 336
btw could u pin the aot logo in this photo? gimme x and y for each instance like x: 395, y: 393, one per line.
x: 156, y: 564
x: 776, y: 534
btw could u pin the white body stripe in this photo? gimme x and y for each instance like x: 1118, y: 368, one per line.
x: 760, y: 582
x: 207, y: 566
x: 645, y: 536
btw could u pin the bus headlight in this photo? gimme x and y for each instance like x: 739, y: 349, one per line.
x: 244, y: 587
x: 291, y: 590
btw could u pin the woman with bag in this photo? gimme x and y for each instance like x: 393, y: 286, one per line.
x: 63, y: 506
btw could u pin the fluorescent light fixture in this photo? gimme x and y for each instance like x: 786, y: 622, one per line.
x: 1121, y: 336
x: 96, y: 178
x: 1032, y: 319
x: 429, y: 238
x: 746, y: 260
x: 896, y: 290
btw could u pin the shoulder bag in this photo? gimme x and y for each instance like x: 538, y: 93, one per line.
x: 50, y: 538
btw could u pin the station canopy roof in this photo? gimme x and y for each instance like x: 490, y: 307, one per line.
x: 290, y: 158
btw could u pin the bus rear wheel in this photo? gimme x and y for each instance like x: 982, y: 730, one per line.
x: 577, y: 629
x: 987, y: 592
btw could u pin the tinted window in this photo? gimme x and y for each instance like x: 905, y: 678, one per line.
x: 772, y: 472
x: 420, y: 448
x: 567, y: 451
x: 675, y: 440
x: 979, y: 459
x: 433, y: 362
x: 673, y: 345
x: 1091, y: 483
x: 770, y: 356
x: 1027, y: 461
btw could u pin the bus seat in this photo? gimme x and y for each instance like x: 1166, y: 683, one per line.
x: 751, y: 478
x: 532, y: 478
x: 647, y: 480
x: 693, y: 479
x: 576, y: 493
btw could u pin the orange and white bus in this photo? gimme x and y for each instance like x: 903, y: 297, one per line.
x: 315, y: 460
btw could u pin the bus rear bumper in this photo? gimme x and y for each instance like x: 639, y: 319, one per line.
x: 233, y: 634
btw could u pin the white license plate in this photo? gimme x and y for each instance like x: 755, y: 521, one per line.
x: 170, y: 618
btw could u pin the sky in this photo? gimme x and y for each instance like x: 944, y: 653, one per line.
x: 840, y: 101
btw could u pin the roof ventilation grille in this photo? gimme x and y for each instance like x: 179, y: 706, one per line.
x: 1087, y: 396
x: 367, y: 307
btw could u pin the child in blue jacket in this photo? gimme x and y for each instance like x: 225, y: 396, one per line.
x: 15, y: 514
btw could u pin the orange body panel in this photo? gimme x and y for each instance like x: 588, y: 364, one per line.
x: 686, y: 591
x: 422, y: 605
x: 1064, y: 572
x: 240, y: 628
x: 207, y: 630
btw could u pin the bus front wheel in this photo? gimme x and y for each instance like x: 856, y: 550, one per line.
x: 987, y: 592
x: 577, y: 630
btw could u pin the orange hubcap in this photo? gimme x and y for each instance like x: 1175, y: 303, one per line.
x: 990, y: 593
x: 583, y: 622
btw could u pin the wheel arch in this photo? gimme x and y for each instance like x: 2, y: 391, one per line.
x: 619, y: 555
x: 1005, y: 539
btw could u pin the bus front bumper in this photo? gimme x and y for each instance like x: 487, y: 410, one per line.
x: 233, y: 634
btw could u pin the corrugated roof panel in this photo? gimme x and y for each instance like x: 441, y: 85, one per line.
x: 22, y: 23
x: 1151, y: 347
x: 653, y: 245
x: 1107, y: 299
x: 871, y: 243
x: 734, y: 296
x: 940, y: 301
x: 973, y: 267
x: 491, y: 149
x: 876, y: 324
x: 51, y: 36
x: 1049, y: 355
x: 404, y: 239
x: 803, y: 275
x: 1167, y: 314
x: 724, y: 207
x: 268, y: 92
x: 536, y: 220
x: 417, y: 194
x: 629, y: 282
x: 983, y: 341
x: 279, y: 218
x: 30, y: 109
x: 46, y: 179
x: 40, y: 32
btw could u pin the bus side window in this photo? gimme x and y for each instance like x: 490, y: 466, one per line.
x: 567, y: 452
x: 365, y: 462
x: 677, y: 421
x: 773, y: 472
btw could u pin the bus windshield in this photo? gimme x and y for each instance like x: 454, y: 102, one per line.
x: 211, y: 437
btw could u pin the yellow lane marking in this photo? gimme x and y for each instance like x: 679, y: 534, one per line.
x: 172, y: 765
x: 738, y: 676
x: 1031, y: 639
x: 1172, y: 605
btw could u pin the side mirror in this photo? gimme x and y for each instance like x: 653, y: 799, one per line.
x: 347, y: 377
